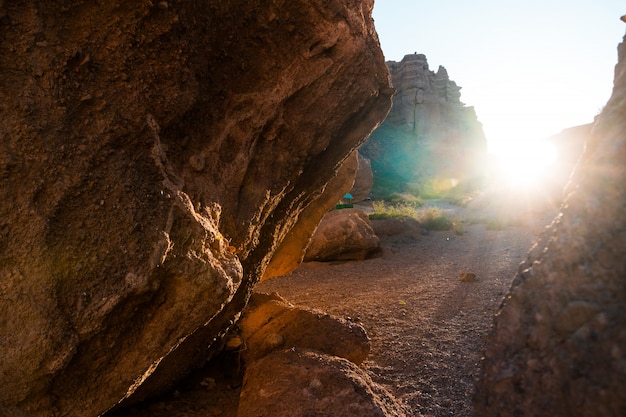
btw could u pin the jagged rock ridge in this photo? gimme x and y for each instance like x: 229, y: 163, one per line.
x: 428, y: 134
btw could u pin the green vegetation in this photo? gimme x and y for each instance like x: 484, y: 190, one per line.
x: 384, y: 211
x: 495, y: 224
x: 436, y: 219
x: 404, y: 199
x: 431, y: 218
x: 456, y: 192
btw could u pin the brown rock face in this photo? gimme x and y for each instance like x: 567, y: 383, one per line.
x: 559, y: 344
x: 292, y: 249
x: 429, y: 135
x: 270, y: 323
x: 363, y: 181
x: 152, y: 158
x: 299, y: 383
x: 343, y: 235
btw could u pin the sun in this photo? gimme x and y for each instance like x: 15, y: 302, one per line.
x: 524, y: 163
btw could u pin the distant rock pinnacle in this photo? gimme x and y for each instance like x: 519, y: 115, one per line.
x: 428, y: 134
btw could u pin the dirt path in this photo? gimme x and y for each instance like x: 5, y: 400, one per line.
x: 426, y: 326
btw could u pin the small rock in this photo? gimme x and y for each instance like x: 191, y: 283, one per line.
x: 467, y: 277
x: 343, y: 235
x: 209, y: 383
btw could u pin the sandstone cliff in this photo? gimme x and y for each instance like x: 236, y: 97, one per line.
x: 153, y: 155
x: 558, y: 347
x: 429, y: 133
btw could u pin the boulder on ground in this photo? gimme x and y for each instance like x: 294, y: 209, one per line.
x: 291, y: 251
x: 270, y: 323
x: 343, y: 235
x: 398, y: 226
x: 301, y: 383
x: 153, y: 156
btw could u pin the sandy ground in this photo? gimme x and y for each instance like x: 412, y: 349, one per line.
x: 426, y: 326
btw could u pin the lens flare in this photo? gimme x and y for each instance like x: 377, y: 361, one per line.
x: 524, y: 163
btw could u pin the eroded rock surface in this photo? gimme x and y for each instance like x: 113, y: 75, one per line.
x: 430, y: 138
x: 153, y: 155
x: 558, y: 347
x: 363, y: 181
x: 569, y: 144
x: 343, y: 235
x: 299, y: 383
x: 292, y: 249
x: 270, y: 323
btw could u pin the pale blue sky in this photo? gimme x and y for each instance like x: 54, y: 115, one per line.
x: 530, y: 67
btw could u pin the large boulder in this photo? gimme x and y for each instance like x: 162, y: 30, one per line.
x: 559, y: 343
x: 290, y: 253
x: 300, y: 383
x: 270, y: 323
x: 153, y: 157
x: 343, y: 235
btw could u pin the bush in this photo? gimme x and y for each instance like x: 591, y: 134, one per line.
x: 460, y: 200
x: 436, y: 219
x: 432, y: 218
x: 404, y: 199
x: 399, y: 211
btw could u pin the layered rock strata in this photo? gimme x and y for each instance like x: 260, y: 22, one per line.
x: 153, y: 156
x: 429, y: 133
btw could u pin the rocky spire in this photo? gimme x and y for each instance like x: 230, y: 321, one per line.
x: 429, y: 132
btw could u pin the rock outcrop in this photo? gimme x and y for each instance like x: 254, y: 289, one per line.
x: 308, y: 383
x: 270, y: 323
x: 301, y: 362
x: 429, y: 134
x: 343, y: 235
x: 153, y: 156
x: 558, y: 347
